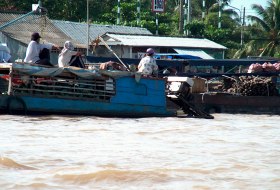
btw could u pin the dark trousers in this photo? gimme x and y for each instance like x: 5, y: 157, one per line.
x: 44, y: 58
x: 76, y: 61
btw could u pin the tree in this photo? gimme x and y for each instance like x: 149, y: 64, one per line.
x: 269, y: 21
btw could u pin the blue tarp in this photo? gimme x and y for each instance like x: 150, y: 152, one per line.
x: 175, y: 56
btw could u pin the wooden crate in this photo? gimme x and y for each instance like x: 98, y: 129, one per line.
x: 198, y: 86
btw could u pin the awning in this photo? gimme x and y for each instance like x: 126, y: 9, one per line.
x: 193, y: 52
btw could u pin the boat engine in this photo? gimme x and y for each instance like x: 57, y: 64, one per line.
x: 179, y: 92
x: 179, y: 86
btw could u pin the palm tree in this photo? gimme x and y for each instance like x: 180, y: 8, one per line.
x: 268, y: 19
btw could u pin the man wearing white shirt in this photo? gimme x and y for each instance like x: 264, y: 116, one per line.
x: 37, y: 53
x: 148, y: 65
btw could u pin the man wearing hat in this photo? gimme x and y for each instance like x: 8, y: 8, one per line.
x: 147, y: 65
x: 37, y: 53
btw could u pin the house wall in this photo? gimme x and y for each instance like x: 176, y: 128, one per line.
x: 217, y: 54
x: 120, y: 51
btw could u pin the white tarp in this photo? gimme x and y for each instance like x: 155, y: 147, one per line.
x: 56, y: 71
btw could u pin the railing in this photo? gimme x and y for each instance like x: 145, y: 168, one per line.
x: 59, y: 87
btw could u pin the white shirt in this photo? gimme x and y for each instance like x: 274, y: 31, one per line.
x: 65, y: 57
x: 33, y: 50
x: 147, y: 65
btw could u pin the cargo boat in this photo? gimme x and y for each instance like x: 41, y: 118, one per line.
x: 32, y: 89
x: 211, y: 100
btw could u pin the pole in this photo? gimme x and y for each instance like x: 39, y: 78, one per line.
x: 119, y: 12
x: 242, y: 22
x: 185, y: 18
x: 203, y: 9
x: 181, y: 17
x: 87, y: 27
x: 156, y: 23
x: 242, y: 29
x: 138, y: 12
x: 14, y: 21
x: 189, y: 12
x: 106, y: 45
x: 220, y: 14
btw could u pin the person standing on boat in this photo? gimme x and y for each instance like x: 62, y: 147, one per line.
x: 148, y: 65
x: 65, y: 58
x: 37, y: 53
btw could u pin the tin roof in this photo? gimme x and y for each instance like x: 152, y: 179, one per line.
x: 23, y: 29
x: 78, y: 31
x: 158, y: 41
x: 57, y: 32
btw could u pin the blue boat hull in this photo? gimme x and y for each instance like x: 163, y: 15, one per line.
x: 41, y: 105
x: 145, y: 98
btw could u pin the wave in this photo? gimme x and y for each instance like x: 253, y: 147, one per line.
x: 9, y: 163
x: 33, y: 186
x: 123, y: 176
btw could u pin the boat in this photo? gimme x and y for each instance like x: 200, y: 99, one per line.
x: 209, y: 76
x: 219, y: 102
x: 32, y: 89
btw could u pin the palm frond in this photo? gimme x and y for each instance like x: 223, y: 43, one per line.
x: 259, y: 21
x: 269, y: 50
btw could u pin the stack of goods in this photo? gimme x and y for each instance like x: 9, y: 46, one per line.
x: 252, y: 86
x: 265, y: 67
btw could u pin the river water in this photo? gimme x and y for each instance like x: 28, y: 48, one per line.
x: 230, y: 152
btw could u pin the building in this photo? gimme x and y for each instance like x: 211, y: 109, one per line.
x: 126, y: 42
x: 134, y: 46
x: 18, y: 29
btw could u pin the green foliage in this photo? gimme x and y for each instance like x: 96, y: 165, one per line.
x: 196, y: 28
x: 268, y: 21
x: 216, y: 34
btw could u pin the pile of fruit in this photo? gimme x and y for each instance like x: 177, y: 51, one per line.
x: 251, y: 86
x: 265, y: 67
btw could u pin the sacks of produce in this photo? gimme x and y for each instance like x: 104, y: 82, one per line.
x: 268, y: 67
x: 255, y: 68
x: 265, y: 67
x: 277, y: 66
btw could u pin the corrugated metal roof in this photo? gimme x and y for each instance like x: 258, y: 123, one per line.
x: 78, y: 31
x: 57, y: 32
x: 23, y: 29
x: 158, y: 41
x: 199, y: 53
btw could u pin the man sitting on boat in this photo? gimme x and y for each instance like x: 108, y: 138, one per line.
x: 148, y: 65
x: 37, y: 53
x: 69, y: 57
